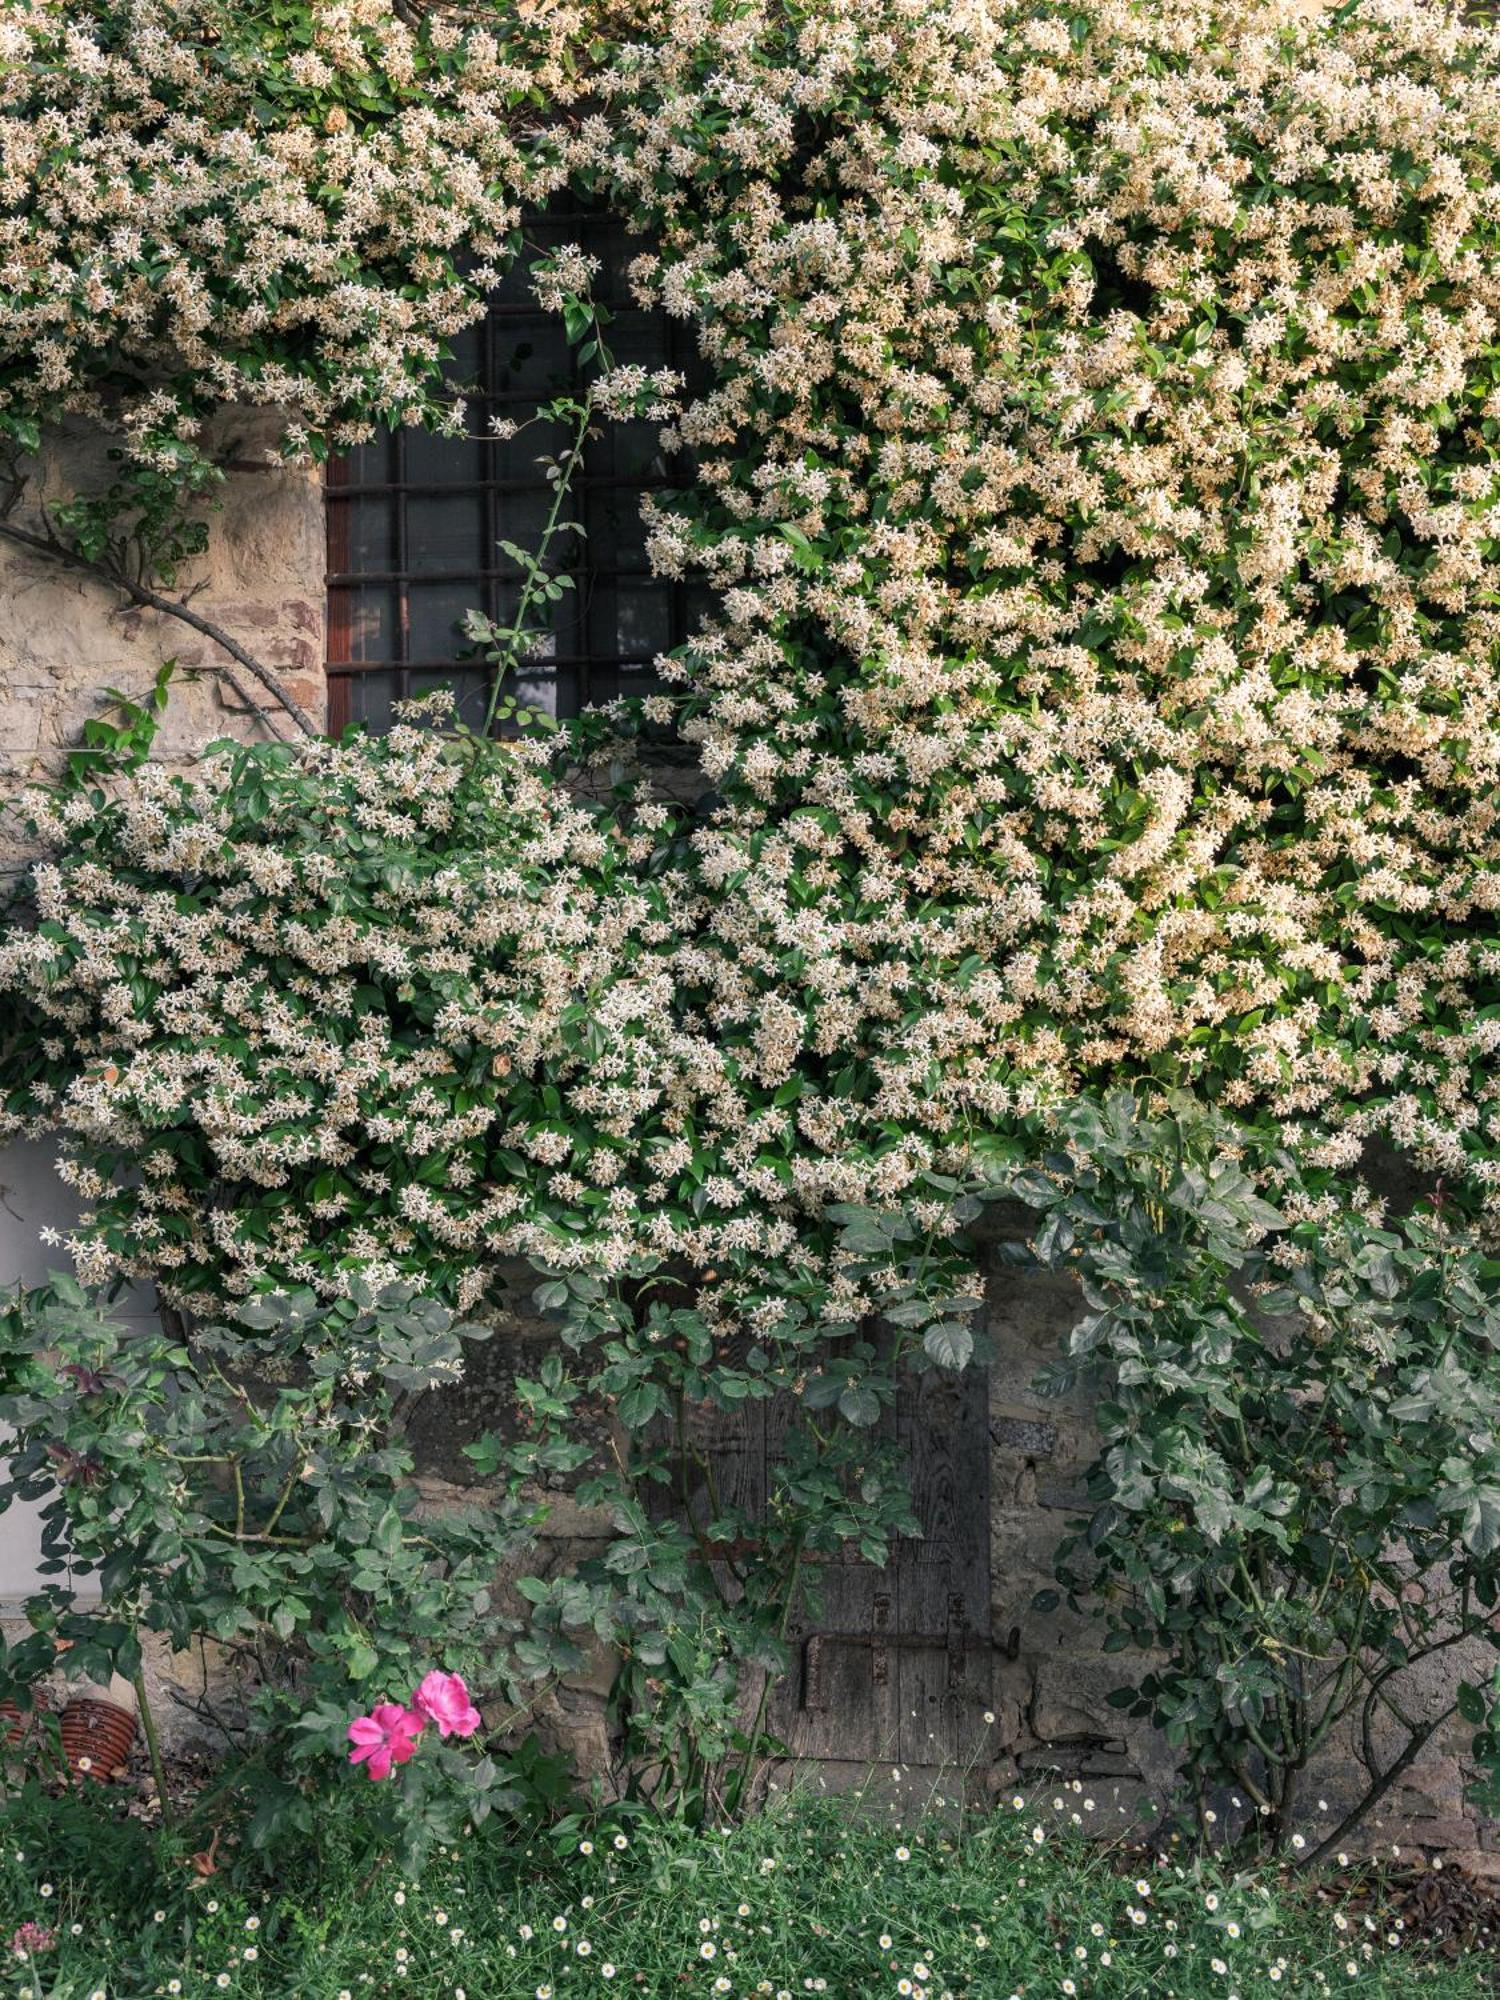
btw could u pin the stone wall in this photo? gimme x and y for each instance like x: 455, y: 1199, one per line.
x: 65, y: 638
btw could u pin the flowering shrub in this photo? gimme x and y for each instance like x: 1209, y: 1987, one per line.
x: 248, y: 1487
x: 394, y: 1007
x: 1098, y: 475
x: 226, y: 213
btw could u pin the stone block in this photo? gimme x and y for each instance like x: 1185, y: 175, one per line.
x: 1069, y: 1698
x: 58, y: 627
x: 269, y: 531
x: 1027, y: 1316
x: 573, y: 1722
x: 1070, y: 1707
x: 446, y: 1420
x: 1029, y: 1310
x: 1105, y: 1759
x: 1031, y: 1435
x: 1063, y: 1496
x: 22, y: 708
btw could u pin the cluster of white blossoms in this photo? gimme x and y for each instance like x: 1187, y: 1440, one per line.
x: 1107, y: 681
x: 1098, y: 470
x: 192, y: 213
x: 404, y: 990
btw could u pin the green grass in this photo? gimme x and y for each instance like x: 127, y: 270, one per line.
x: 811, y: 1898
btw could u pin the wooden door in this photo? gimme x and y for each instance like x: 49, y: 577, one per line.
x: 897, y: 1666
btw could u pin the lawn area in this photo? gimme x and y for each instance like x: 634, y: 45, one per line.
x: 809, y: 1898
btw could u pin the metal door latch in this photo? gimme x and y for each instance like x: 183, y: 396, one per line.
x: 956, y: 1640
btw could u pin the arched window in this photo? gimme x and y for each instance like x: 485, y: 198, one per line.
x: 415, y: 521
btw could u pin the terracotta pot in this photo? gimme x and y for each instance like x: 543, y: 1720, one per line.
x: 14, y: 1725
x: 96, y: 1737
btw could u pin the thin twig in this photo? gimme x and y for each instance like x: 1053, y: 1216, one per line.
x: 1378, y: 1790
x: 153, y: 1747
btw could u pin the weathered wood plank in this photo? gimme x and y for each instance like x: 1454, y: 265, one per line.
x: 943, y: 1579
x: 841, y: 1700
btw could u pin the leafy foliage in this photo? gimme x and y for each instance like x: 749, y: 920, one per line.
x: 1296, y: 1506
x: 248, y: 1487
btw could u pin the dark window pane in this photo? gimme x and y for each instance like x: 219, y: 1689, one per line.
x: 532, y: 360
x: 432, y: 534
x: 617, y: 533
x: 638, y: 452
x: 372, y: 464
x: 361, y: 534
x: 442, y: 461
x: 464, y: 370
x: 536, y: 686
x: 514, y: 288
x: 446, y: 533
x: 519, y: 461
x: 556, y: 624
x: 435, y: 618
x: 370, y: 699
x: 364, y: 624
x: 521, y: 518
x: 643, y: 620
x: 699, y: 601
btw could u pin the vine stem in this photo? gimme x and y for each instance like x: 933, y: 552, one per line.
x: 510, y: 639
x: 170, y: 607
x: 770, y: 1679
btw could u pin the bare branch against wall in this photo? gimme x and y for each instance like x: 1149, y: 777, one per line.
x: 138, y: 593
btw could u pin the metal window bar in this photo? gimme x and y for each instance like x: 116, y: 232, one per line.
x: 377, y: 651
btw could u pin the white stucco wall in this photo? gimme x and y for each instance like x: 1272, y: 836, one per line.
x: 32, y: 1198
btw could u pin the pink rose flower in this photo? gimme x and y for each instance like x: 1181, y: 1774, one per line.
x: 444, y: 1699
x: 387, y: 1737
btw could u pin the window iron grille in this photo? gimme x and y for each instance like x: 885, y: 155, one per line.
x: 415, y: 520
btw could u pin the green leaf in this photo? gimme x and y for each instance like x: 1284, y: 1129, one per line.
x: 361, y: 1659
x: 950, y: 1344
x: 1472, y: 1704
x: 859, y: 1405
